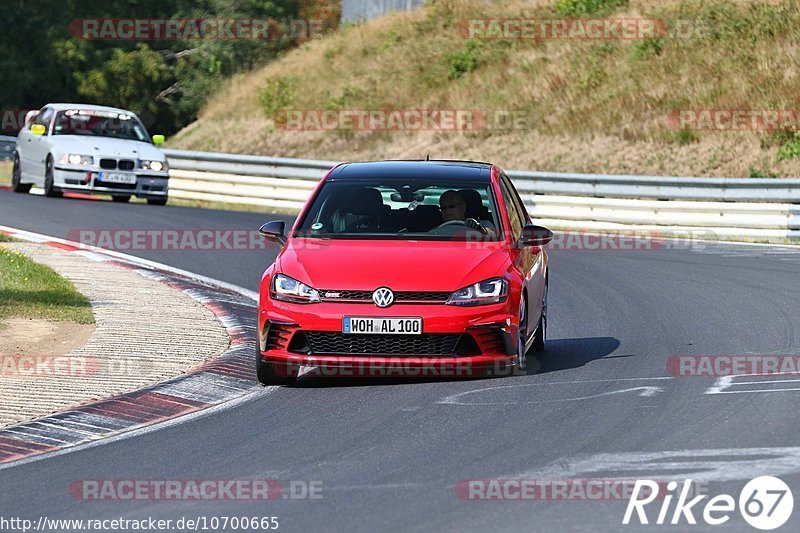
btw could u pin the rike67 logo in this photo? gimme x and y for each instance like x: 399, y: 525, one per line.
x: 765, y: 503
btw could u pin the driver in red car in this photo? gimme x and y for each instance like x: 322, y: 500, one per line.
x: 454, y: 208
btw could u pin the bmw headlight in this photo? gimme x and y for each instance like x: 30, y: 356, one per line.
x: 155, y: 166
x: 76, y: 159
x: 290, y: 290
x: 489, y: 291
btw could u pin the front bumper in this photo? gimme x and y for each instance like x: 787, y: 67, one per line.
x: 486, y: 338
x: 148, y: 184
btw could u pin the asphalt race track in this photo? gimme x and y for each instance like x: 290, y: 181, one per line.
x: 389, y: 455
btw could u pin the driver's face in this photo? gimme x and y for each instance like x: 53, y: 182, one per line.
x: 453, y: 207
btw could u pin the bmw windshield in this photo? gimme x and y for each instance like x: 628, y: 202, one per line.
x: 100, y: 124
x: 403, y: 209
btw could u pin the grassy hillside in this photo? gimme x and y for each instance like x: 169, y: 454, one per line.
x: 588, y: 105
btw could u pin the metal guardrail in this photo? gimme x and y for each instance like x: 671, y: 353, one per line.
x: 731, y: 207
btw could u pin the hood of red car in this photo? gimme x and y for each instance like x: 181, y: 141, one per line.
x: 338, y: 264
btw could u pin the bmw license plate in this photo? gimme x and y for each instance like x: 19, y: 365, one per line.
x: 383, y: 326
x: 117, y: 177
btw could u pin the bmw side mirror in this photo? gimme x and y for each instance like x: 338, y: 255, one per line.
x: 158, y: 139
x: 274, y: 231
x: 38, y: 129
x: 535, y: 236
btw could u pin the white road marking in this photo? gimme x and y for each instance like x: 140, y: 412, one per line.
x: 712, y: 465
x: 645, y: 391
x: 726, y: 382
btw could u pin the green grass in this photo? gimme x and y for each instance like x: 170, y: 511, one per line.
x: 32, y: 290
x: 7, y: 238
x: 5, y: 174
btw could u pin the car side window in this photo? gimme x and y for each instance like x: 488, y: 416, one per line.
x: 43, y: 118
x: 513, y: 211
x: 523, y: 211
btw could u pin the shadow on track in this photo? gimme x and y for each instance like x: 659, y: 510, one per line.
x: 560, y: 354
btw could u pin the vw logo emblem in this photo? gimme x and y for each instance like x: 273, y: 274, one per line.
x: 383, y: 297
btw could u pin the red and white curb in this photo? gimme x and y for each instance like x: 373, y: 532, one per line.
x: 228, y: 377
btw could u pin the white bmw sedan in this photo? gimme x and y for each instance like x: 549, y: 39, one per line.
x: 90, y: 149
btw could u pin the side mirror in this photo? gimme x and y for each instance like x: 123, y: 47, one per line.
x: 274, y: 231
x: 38, y: 129
x: 158, y: 139
x: 535, y: 236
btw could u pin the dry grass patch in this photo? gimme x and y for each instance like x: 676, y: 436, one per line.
x: 588, y: 105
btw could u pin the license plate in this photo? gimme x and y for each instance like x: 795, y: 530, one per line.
x: 117, y: 177
x: 382, y: 326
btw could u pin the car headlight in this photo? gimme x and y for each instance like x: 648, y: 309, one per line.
x: 155, y: 166
x: 489, y: 291
x: 290, y: 290
x: 76, y: 159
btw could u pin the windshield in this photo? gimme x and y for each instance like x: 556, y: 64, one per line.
x: 403, y: 209
x: 99, y: 124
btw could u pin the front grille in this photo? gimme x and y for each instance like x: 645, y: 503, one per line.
x: 401, y: 296
x: 111, y: 164
x: 333, y: 342
x: 421, y: 296
x: 123, y: 186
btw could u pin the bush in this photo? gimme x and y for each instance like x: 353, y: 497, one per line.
x: 582, y: 8
x: 684, y: 137
x: 464, y: 61
x: 759, y: 173
x: 790, y: 149
x: 277, y: 94
x: 647, y: 48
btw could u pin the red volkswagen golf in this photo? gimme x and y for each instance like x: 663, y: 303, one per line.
x: 405, y: 268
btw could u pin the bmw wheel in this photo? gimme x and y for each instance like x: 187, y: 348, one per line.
x: 16, y: 178
x: 157, y: 201
x: 50, y: 189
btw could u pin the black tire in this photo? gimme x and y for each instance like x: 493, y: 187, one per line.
x: 269, y: 374
x: 157, y: 201
x: 541, y: 330
x: 16, y: 178
x: 50, y: 190
x: 121, y: 198
x: 521, y: 367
